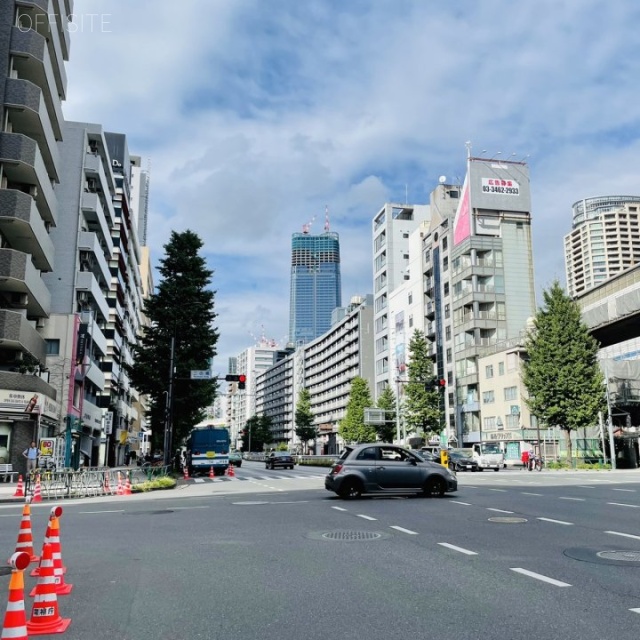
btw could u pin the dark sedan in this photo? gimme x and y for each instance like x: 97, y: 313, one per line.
x: 281, y: 459
x: 462, y: 461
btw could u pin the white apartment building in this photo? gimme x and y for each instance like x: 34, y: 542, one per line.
x: 391, y: 229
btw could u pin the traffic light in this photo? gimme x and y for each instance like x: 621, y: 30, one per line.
x: 441, y: 384
x: 240, y: 378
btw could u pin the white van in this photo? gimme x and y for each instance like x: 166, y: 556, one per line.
x: 488, y: 456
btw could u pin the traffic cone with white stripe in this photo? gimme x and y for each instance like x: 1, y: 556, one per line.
x: 57, y: 512
x: 186, y: 472
x: 25, y: 537
x: 19, y: 489
x: 61, y: 587
x: 211, y: 474
x: 230, y: 472
x: 37, y: 492
x: 120, y: 489
x: 127, y: 484
x: 14, y: 626
x: 45, y: 617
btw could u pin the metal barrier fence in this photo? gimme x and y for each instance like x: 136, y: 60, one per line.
x: 89, y: 481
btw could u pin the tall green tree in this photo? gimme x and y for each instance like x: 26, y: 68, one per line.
x: 305, y: 428
x: 563, y: 379
x: 257, y: 433
x: 352, y: 427
x: 387, y: 402
x: 422, y: 405
x: 181, y: 310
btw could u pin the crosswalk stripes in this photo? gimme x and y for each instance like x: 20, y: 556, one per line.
x: 245, y: 479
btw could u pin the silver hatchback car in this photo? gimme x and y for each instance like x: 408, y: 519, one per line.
x: 376, y: 468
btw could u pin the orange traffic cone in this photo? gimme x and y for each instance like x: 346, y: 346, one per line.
x: 120, y: 490
x: 105, y: 485
x: 186, y: 472
x: 61, y: 587
x: 211, y: 474
x: 57, y: 512
x: 15, y: 619
x: 37, y: 492
x: 127, y: 485
x: 45, y: 617
x: 230, y: 472
x: 19, y: 489
x: 25, y: 538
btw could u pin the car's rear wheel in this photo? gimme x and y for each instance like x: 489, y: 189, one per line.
x: 434, y: 488
x: 351, y: 489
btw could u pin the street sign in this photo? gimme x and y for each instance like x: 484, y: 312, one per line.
x: 443, y: 440
x: 108, y: 422
x: 374, y: 416
x: 205, y: 374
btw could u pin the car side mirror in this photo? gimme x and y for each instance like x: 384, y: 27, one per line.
x: 412, y: 462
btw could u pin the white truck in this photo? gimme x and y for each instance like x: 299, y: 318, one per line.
x: 488, y: 455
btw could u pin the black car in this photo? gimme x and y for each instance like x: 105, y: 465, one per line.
x: 387, y: 469
x: 279, y: 459
x: 462, y: 461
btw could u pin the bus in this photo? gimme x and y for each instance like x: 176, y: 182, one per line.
x: 208, y: 447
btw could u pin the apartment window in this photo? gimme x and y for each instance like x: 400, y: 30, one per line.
x: 410, y: 321
x: 490, y: 423
x: 513, y: 421
x: 488, y: 397
x: 447, y: 333
x: 445, y: 263
x: 53, y: 347
x: 444, y: 244
x: 449, y: 355
x: 500, y: 368
x: 405, y: 235
x: 511, y: 393
x: 447, y: 311
x: 446, y: 288
x: 488, y: 371
x: 410, y: 298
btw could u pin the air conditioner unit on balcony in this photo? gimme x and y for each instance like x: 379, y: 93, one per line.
x: 92, y: 185
x: 41, y: 323
x: 93, y: 146
x: 83, y: 297
x: 19, y: 299
x: 33, y: 191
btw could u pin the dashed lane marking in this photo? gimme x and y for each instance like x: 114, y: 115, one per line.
x: 498, y: 510
x: 554, y: 521
x: 569, y: 498
x: 403, y: 530
x: 460, y: 549
x: 624, y: 535
x: 622, y: 504
x: 526, y: 493
x: 539, y: 576
x: 361, y: 515
x: 338, y: 508
x: 466, y: 504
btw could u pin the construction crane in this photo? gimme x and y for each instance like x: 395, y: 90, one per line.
x: 326, y: 219
x: 306, y: 227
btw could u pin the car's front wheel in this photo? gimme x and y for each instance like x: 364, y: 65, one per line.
x: 434, y: 487
x: 351, y: 489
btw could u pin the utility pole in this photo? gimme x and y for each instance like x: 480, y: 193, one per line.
x: 169, y: 409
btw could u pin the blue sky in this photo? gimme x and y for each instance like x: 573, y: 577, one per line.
x: 254, y: 115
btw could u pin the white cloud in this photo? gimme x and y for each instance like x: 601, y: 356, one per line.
x: 256, y: 115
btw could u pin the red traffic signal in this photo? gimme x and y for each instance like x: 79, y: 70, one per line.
x: 442, y: 383
x: 242, y: 381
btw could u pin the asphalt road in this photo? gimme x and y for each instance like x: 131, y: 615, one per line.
x: 277, y: 556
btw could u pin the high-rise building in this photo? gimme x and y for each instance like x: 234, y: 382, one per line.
x: 392, y: 226
x: 316, y: 288
x: 604, y: 241
x: 34, y: 44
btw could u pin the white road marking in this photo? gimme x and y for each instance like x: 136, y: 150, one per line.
x: 555, y: 521
x: 502, y: 490
x: 621, y: 504
x: 568, y: 498
x: 584, y: 486
x: 338, y: 508
x: 498, y: 510
x: 539, y: 576
x: 627, y: 490
x: 198, y: 480
x: 460, y: 549
x: 411, y: 533
x: 466, y: 504
x: 635, y: 610
x: 194, y: 507
x: 107, y: 511
x: 624, y: 535
x: 361, y: 515
x: 251, y: 502
x: 526, y: 493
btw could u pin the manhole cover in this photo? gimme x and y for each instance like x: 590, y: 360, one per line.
x: 624, y: 556
x: 351, y: 535
x: 508, y: 520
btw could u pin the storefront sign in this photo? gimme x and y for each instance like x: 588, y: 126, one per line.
x: 503, y: 187
x: 504, y: 435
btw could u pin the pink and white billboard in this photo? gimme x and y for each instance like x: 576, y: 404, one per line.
x: 462, y: 220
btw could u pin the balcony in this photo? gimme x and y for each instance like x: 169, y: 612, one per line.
x: 103, y: 178
x: 28, y: 114
x: 23, y: 164
x: 32, y: 61
x: 94, y: 214
x: 22, y: 284
x: 19, y: 334
x: 87, y: 285
x: 22, y: 226
x: 95, y: 375
x: 99, y: 339
x: 88, y: 242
